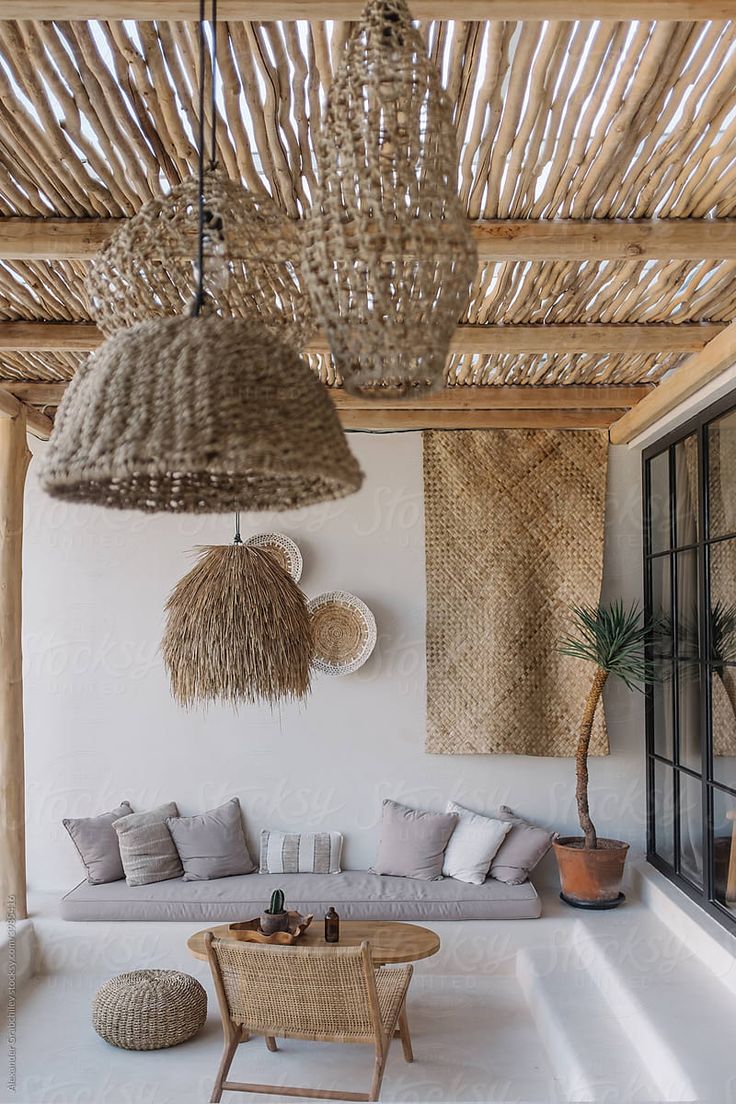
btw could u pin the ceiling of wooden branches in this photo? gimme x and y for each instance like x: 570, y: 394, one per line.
x: 556, y: 120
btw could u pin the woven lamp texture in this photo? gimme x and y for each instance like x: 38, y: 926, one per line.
x: 148, y: 267
x: 149, y: 1009
x: 237, y: 630
x: 197, y: 415
x: 388, y: 254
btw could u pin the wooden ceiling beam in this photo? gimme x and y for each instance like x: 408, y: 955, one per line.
x: 396, y: 420
x: 589, y: 337
x: 497, y: 240
x: 704, y: 367
x: 289, y: 10
x: 37, y: 423
x: 451, y: 399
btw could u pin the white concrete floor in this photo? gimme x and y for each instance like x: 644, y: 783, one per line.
x: 613, y: 1007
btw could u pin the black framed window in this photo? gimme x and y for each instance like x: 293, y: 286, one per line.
x: 689, y: 481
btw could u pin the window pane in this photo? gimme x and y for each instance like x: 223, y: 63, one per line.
x: 661, y: 588
x: 686, y: 565
x: 664, y: 815
x: 721, y: 480
x: 691, y: 828
x: 686, y: 491
x: 689, y: 717
x: 722, y: 557
x: 662, y: 710
x: 724, y: 849
x: 723, y: 714
x: 659, y: 502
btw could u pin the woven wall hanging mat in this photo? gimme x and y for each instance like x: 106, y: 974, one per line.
x: 514, y: 537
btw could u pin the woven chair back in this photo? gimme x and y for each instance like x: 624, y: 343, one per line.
x: 297, y: 990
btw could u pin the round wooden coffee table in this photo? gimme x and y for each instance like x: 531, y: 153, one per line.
x: 390, y: 940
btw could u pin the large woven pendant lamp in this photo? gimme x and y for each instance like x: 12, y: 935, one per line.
x: 237, y: 630
x: 388, y: 254
x: 199, y: 414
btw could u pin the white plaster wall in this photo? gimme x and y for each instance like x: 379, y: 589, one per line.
x: 101, y: 726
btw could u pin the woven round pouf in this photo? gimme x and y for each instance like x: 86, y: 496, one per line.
x: 149, y: 1009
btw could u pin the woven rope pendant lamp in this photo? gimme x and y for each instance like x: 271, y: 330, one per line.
x: 237, y: 630
x: 148, y: 269
x: 199, y: 414
x: 388, y: 254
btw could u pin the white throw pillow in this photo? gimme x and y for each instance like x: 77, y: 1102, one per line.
x: 472, y: 845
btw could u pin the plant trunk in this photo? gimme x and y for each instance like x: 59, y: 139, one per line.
x: 581, y: 758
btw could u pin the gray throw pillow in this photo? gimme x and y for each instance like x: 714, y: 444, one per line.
x: 413, y: 842
x: 146, y: 847
x: 212, y: 845
x: 97, y: 843
x: 523, y: 848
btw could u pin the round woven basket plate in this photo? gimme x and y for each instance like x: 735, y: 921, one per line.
x: 344, y: 632
x: 283, y: 549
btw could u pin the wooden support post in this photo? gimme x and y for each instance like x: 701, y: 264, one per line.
x: 14, y: 457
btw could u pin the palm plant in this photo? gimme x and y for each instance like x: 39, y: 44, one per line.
x: 613, y: 638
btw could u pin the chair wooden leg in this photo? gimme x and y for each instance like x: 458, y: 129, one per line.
x: 378, y: 1072
x: 271, y: 1044
x: 404, y: 1035
x: 231, y: 1045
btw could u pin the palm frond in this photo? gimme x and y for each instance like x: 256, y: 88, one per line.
x: 614, y: 637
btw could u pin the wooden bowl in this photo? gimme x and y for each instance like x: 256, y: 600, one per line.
x: 249, y: 931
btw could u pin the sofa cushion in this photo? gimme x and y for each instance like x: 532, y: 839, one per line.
x: 524, y: 847
x: 212, y: 844
x: 413, y: 841
x: 97, y: 843
x: 356, y: 894
x: 472, y: 845
x: 300, y: 852
x: 146, y: 847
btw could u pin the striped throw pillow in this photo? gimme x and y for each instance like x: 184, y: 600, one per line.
x: 300, y: 852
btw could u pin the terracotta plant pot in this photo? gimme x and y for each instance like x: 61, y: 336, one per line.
x: 591, y: 879
x: 274, y: 922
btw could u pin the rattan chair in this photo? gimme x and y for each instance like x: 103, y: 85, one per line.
x: 326, y: 994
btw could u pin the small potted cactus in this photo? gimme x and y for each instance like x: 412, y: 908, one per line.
x: 275, y: 918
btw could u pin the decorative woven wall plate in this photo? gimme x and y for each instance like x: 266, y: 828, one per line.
x: 283, y: 549
x: 344, y: 632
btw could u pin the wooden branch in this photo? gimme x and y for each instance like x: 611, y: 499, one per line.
x: 37, y: 423
x: 288, y: 10
x: 395, y: 419
x: 573, y: 397
x: 496, y: 239
x: 14, y: 457
x: 702, y: 368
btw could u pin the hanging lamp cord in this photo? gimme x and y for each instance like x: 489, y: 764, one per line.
x: 199, y: 295
x: 237, y: 539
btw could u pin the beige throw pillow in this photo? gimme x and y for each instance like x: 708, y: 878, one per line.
x: 147, y: 850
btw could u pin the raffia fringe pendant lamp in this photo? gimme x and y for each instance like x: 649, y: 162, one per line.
x: 237, y: 630
x: 388, y: 254
x: 197, y: 414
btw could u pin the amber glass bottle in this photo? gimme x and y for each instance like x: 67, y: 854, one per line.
x: 332, y: 926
